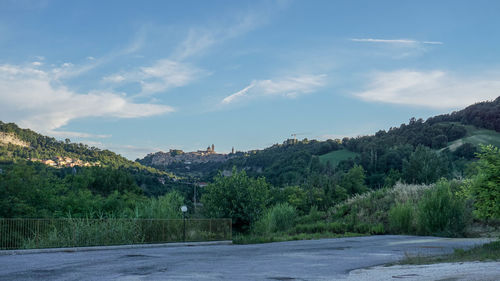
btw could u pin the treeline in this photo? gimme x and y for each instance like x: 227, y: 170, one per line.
x: 43, y: 147
x: 152, y: 182
x: 445, y: 208
x: 34, y: 190
x: 483, y: 115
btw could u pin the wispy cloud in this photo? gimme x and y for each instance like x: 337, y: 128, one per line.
x: 289, y: 87
x: 396, y: 41
x: 159, y: 77
x: 68, y: 134
x: 434, y: 89
x: 200, y: 39
x: 36, y: 99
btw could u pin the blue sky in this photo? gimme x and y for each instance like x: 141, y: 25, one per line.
x: 142, y: 76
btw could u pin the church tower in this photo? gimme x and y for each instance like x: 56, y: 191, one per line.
x: 213, y: 148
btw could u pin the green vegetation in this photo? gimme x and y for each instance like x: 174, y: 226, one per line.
x: 424, y: 177
x: 484, y: 187
x: 440, y: 212
x: 335, y: 157
x: 77, y: 232
x: 239, y: 197
x: 485, y: 252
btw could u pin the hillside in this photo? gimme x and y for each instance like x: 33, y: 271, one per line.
x: 476, y: 136
x: 19, y: 145
x: 450, y: 139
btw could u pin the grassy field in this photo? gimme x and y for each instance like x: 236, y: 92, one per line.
x: 336, y: 156
x: 477, y: 136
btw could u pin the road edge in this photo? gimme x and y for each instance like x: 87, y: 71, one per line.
x: 116, y: 247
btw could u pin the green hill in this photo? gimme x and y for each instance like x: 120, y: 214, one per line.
x: 385, y: 157
x: 19, y: 145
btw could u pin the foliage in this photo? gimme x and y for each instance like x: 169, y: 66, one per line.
x: 482, y: 114
x: 278, y: 218
x: 239, y: 197
x: 167, y: 206
x: 484, y: 187
x: 440, y: 212
x: 401, y: 218
x: 424, y: 166
x: 43, y: 147
x: 34, y: 190
x: 354, y: 180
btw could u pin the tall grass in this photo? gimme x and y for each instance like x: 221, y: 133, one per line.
x: 49, y: 233
x: 408, y: 209
x: 279, y: 218
x: 441, y: 213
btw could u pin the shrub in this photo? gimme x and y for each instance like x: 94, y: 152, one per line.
x: 484, y: 187
x: 401, y: 218
x: 313, y: 216
x: 440, y: 212
x: 239, y: 197
x: 167, y: 206
x: 279, y: 218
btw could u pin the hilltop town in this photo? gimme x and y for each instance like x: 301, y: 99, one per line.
x: 194, y: 157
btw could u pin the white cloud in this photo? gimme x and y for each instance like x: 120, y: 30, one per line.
x: 115, y: 78
x: 396, y: 41
x: 286, y: 87
x: 36, y: 99
x: 434, y: 89
x: 163, y: 75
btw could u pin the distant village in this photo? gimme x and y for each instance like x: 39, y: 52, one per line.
x: 194, y: 157
x: 63, y: 162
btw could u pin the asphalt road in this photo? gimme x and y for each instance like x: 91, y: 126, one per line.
x: 325, y: 259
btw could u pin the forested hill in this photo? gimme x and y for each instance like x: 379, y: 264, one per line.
x: 103, y: 170
x: 483, y: 115
x: 38, y: 146
x: 445, y: 144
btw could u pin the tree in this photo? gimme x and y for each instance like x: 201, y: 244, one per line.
x: 239, y: 197
x: 354, y: 180
x: 484, y: 187
x: 424, y: 166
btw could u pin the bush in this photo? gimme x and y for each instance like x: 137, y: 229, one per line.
x: 484, y: 188
x: 313, y: 216
x: 279, y: 218
x: 239, y: 197
x: 167, y: 206
x: 401, y: 218
x: 440, y: 212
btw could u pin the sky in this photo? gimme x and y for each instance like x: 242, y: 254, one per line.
x: 137, y: 77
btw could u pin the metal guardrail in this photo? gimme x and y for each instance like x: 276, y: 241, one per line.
x: 56, y: 233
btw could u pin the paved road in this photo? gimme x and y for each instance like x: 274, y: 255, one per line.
x: 326, y: 259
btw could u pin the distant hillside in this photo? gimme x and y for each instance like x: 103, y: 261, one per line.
x: 19, y: 145
x: 452, y: 139
x: 482, y: 115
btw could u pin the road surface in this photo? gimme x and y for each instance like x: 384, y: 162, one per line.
x: 325, y: 259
